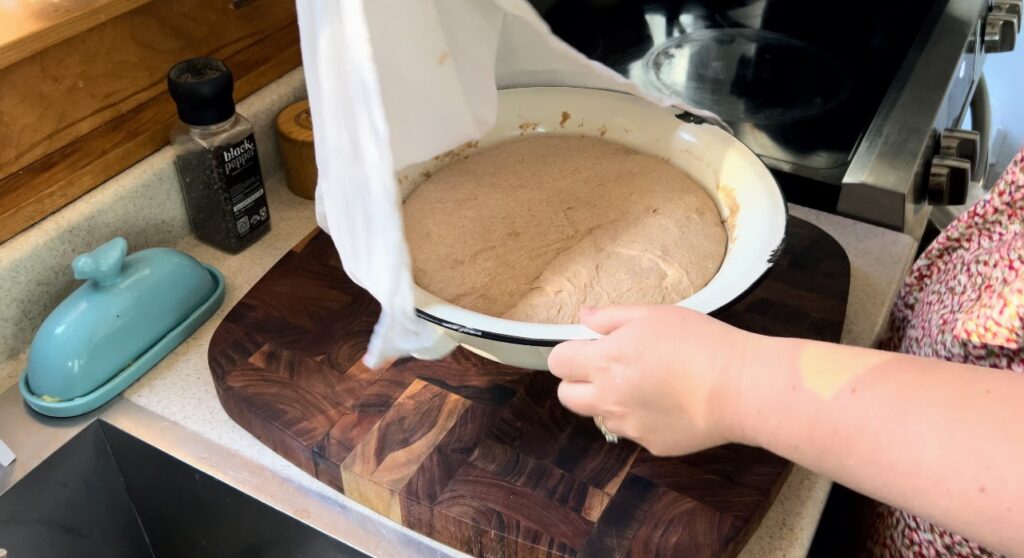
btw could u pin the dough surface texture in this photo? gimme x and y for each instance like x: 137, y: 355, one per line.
x: 533, y: 228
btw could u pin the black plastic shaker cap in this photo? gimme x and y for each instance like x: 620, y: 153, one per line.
x: 203, y: 90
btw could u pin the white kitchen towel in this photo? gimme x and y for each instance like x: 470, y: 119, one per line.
x: 396, y: 82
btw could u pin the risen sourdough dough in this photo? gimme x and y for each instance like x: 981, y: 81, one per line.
x: 532, y: 229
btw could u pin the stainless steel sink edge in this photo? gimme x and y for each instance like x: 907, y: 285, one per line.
x: 34, y: 437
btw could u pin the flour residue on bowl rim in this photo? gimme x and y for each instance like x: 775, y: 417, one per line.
x: 527, y: 127
x: 438, y: 161
x: 413, y: 176
x: 456, y: 152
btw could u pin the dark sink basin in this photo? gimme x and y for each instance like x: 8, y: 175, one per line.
x: 108, y: 494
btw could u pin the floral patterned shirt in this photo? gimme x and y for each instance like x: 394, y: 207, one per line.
x: 963, y: 301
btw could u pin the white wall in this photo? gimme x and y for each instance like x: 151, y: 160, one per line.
x: 1005, y: 76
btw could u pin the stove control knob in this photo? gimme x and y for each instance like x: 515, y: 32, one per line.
x: 1001, y: 32
x: 948, y: 181
x: 960, y: 144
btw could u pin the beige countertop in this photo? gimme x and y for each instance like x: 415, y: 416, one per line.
x: 144, y: 205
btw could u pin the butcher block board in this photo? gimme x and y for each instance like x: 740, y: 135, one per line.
x: 481, y: 456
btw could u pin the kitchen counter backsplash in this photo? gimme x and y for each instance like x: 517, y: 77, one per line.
x: 143, y: 204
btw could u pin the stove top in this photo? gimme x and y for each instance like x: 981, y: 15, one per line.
x: 798, y: 83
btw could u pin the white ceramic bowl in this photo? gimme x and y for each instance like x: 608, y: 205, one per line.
x: 743, y: 188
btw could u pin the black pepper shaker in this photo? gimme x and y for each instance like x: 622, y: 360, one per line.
x: 216, y: 157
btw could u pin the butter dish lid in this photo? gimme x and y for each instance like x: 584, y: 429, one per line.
x: 131, y: 311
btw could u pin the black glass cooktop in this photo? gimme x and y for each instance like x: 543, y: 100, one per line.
x: 798, y: 80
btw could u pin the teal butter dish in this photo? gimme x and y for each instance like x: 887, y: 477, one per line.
x: 130, y: 313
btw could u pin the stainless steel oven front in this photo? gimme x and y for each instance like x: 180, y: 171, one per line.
x: 914, y: 155
x: 856, y: 110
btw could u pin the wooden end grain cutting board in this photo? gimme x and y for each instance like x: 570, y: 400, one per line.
x: 481, y: 456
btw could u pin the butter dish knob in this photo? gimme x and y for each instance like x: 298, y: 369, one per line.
x: 102, y: 264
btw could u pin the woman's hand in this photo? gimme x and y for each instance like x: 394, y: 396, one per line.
x: 939, y: 439
x: 666, y: 377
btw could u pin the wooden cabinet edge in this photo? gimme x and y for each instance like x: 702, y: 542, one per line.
x: 65, y: 91
x: 50, y: 34
x: 59, y: 178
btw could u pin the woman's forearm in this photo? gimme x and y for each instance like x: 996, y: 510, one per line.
x: 942, y: 440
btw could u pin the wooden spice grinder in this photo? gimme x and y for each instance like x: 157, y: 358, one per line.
x: 295, y: 138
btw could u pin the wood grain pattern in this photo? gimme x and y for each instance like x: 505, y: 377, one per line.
x: 66, y: 91
x: 388, y: 456
x: 481, y: 456
x: 295, y: 140
x: 83, y: 110
x: 29, y: 27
